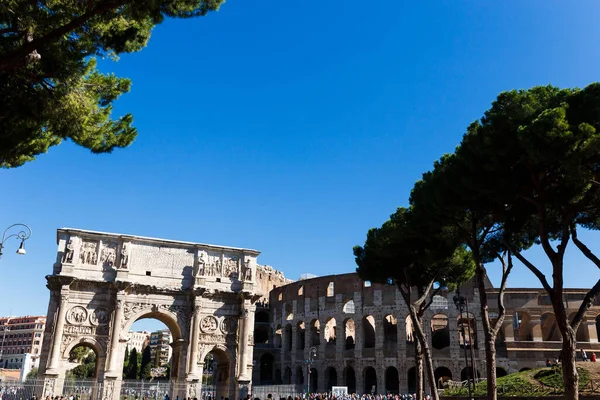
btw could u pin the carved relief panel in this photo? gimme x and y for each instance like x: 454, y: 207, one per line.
x: 88, y: 252
x: 108, y: 255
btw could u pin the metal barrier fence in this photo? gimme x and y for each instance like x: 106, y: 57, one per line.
x: 92, y: 390
x: 277, y: 391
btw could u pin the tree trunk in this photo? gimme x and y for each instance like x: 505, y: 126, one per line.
x: 570, y: 376
x: 489, y: 334
x: 425, y: 350
x: 419, y: 370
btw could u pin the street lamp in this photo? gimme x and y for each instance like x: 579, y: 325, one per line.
x: 312, y: 354
x: 460, y: 302
x: 24, y: 233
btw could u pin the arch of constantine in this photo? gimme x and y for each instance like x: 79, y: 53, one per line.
x: 102, y: 283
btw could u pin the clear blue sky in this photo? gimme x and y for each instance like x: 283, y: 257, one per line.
x: 294, y: 129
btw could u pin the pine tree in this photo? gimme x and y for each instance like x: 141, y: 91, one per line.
x: 146, y: 363
x: 132, y: 370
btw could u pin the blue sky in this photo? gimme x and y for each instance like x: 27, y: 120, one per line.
x: 293, y: 129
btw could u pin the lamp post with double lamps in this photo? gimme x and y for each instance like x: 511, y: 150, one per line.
x: 312, y: 354
x: 23, y: 233
x: 461, y: 302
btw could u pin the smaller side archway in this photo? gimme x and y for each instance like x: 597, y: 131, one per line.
x: 370, y: 380
x: 349, y: 334
x: 300, y: 336
x: 315, y: 332
x: 330, y: 378
x: 350, y: 379
x: 440, y: 332
x: 550, y: 332
x: 299, y: 375
x: 330, y: 331
x: 287, y: 376
x: 442, y: 374
x: 392, y: 381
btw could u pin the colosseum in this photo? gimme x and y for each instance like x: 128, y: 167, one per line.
x: 340, y: 331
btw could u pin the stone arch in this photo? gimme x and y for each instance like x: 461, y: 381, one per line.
x: 390, y: 330
x: 550, y: 332
x: 287, y: 376
x: 500, y: 372
x: 314, y: 380
x: 411, y: 378
x: 467, y: 330
x: 278, y: 336
x: 442, y: 374
x: 392, y: 381
x: 287, y: 336
x: 349, y: 334
x: 299, y: 375
x: 261, y: 316
x: 368, y: 332
x: 525, y: 369
x: 89, y: 342
x: 330, y: 333
x: 582, y: 334
x: 350, y: 379
x: 267, y: 364
x: 225, y: 369
x: 522, y: 321
x: 466, y: 374
x: 370, y: 379
x: 300, y: 335
x: 330, y: 378
x: 440, y: 331
x: 315, y: 332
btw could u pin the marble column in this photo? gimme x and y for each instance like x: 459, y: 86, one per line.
x: 245, y: 340
x: 58, y: 331
x: 113, y: 354
x: 193, y: 359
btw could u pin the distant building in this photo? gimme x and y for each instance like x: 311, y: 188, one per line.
x: 20, y: 337
x: 139, y: 340
x: 160, y: 347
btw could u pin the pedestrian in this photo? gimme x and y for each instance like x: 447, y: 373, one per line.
x: 583, y: 355
x: 593, y: 358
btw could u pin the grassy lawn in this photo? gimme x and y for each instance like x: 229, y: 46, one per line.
x: 538, y: 382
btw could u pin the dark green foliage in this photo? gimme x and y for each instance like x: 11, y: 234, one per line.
x: 133, y: 367
x: 50, y: 89
x: 146, y: 363
x: 87, y: 367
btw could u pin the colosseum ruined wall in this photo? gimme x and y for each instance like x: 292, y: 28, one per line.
x: 363, y: 337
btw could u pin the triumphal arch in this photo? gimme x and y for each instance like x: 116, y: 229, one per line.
x: 102, y: 283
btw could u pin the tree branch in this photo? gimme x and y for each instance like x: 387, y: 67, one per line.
x: 532, y: 268
x: 587, y: 302
x: 501, y: 309
x: 16, y: 58
x: 583, y: 248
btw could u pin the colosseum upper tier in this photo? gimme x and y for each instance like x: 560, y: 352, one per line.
x: 340, y: 331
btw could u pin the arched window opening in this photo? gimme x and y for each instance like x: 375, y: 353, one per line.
x: 261, y: 317
x: 410, y: 331
x: 299, y: 375
x: 330, y: 331
x: 467, y: 330
x: 411, y: 376
x: 261, y: 335
x: 278, y: 336
x: 500, y: 372
x: 288, y: 336
x: 598, y: 326
x: 369, y: 332
x: 315, y: 333
x: 440, y: 332
x: 348, y: 307
x: 390, y: 330
x: 582, y: 334
x: 349, y: 334
x: 301, y: 290
x: 522, y: 326
x: 467, y: 374
x: 330, y: 289
x: 301, y: 336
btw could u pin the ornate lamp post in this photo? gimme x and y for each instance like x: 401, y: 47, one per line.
x: 460, y: 302
x: 312, y: 354
x: 24, y: 233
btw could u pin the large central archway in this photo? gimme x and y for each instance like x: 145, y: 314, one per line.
x: 103, y: 283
